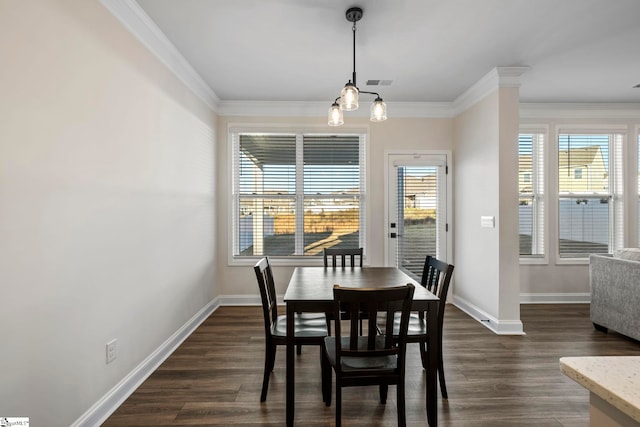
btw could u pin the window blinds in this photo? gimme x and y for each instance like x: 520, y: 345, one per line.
x: 420, y: 212
x: 331, y: 192
x: 589, y: 190
x: 531, y: 194
x: 296, y: 194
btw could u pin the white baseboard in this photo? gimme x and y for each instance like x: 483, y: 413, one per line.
x: 500, y: 327
x: 241, y: 299
x: 556, y: 298
x: 107, y: 405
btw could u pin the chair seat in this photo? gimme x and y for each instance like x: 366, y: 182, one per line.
x: 307, y: 325
x: 417, y: 326
x: 360, y: 364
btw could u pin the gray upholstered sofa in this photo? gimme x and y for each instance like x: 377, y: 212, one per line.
x: 615, y: 292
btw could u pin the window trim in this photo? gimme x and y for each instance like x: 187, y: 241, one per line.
x: 292, y: 260
x: 593, y: 129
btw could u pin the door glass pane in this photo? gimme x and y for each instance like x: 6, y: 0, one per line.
x: 418, y: 216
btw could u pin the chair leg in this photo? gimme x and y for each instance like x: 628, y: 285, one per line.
x: 384, y: 391
x: 325, y: 369
x: 338, y: 404
x: 423, y: 353
x: 269, y: 361
x: 443, y: 385
x: 272, y: 357
x: 299, y: 346
x: 402, y: 416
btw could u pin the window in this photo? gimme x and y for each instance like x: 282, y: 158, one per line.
x: 531, y: 194
x: 577, y: 174
x: 590, y: 202
x: 295, y: 194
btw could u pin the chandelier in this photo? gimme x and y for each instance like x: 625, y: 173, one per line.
x: 348, y: 99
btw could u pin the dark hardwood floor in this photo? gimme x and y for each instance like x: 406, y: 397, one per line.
x: 215, y: 377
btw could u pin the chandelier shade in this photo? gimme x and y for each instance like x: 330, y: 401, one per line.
x: 378, y: 110
x: 349, y: 96
x: 336, y: 117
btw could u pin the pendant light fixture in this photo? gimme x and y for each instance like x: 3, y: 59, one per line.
x: 348, y: 99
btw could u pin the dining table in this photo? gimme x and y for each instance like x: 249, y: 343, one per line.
x: 310, y: 289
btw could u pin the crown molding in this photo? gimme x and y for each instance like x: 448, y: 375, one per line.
x: 135, y: 19
x: 421, y: 109
x: 272, y: 108
x: 319, y: 109
x: 494, y: 79
x: 580, y: 110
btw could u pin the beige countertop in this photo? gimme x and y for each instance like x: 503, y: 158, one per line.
x: 615, y: 379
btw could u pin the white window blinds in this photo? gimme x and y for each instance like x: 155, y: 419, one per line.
x: 332, y: 192
x: 295, y: 194
x: 421, y: 214
x: 590, y: 193
x: 531, y: 194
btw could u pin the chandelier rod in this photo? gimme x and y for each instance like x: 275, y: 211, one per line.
x: 354, y: 53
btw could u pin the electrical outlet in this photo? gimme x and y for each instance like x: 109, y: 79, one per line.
x: 111, y: 351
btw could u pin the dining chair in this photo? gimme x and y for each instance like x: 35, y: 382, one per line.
x: 436, y: 277
x: 309, y: 329
x: 334, y: 254
x: 363, y: 358
x: 338, y: 257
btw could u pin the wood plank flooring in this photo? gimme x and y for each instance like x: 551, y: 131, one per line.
x: 214, y: 378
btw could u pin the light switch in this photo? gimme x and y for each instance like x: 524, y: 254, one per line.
x: 487, y: 221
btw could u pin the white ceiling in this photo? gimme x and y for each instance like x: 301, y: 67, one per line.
x: 432, y: 50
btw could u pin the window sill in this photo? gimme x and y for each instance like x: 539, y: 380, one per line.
x: 572, y: 261
x: 278, y: 261
x: 534, y: 261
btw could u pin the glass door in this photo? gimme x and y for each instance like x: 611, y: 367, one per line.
x: 417, y: 197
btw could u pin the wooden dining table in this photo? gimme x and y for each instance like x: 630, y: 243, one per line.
x: 311, y: 290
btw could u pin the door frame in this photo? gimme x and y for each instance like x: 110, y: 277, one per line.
x: 448, y: 197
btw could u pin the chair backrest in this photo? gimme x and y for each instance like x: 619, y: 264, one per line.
x: 342, y: 253
x: 366, y: 345
x: 267, y: 293
x: 436, y: 277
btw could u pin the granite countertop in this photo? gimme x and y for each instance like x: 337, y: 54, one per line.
x: 615, y: 379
